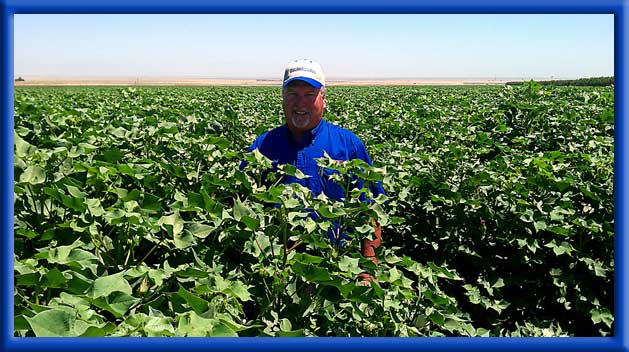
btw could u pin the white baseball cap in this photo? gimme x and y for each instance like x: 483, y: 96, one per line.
x: 305, y: 70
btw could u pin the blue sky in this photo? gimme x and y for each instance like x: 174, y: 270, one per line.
x: 347, y: 46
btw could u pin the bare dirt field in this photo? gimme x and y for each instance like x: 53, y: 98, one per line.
x: 170, y: 81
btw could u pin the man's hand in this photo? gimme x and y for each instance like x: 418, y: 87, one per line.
x: 366, y: 279
x: 367, y: 247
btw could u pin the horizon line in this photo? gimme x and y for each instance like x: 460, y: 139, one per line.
x: 194, y: 77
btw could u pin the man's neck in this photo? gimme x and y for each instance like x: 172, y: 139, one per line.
x: 297, y: 137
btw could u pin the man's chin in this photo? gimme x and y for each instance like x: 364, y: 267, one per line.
x: 300, y: 121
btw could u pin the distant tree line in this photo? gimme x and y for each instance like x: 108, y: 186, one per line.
x: 592, y: 81
x: 19, y: 79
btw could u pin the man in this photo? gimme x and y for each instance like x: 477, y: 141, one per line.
x: 306, y: 136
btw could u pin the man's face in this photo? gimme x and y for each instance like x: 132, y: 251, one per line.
x: 303, y: 106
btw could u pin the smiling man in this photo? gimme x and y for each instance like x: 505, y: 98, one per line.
x: 307, y: 136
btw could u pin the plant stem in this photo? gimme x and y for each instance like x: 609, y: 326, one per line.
x: 30, y: 191
x: 127, y: 257
x: 285, y: 244
x: 260, y: 248
x: 147, y: 254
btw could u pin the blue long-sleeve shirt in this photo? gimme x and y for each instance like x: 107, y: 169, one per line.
x: 340, y: 144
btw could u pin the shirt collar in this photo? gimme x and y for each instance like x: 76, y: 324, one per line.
x: 312, y: 133
x: 317, y: 129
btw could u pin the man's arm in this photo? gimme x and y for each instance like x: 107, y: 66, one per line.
x: 367, y: 247
x: 368, y: 250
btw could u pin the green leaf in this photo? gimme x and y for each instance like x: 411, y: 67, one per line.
x: 310, y: 225
x: 106, y: 285
x: 564, y: 231
x: 350, y: 265
x: 199, y: 230
x: 73, y: 203
x: 199, y: 305
x: 94, y: 207
x: 453, y: 325
x: 443, y: 272
x: 377, y: 289
x: 30, y: 279
x: 20, y: 323
x: 251, y: 223
x: 75, y: 192
x: 394, y: 274
x: 54, y: 279
x: 557, y: 214
x: 117, y: 303
x: 175, y: 222
x: 602, y: 315
x: 539, y: 225
x: 330, y: 212
x: 121, y: 302
x: 158, y: 326
x: 113, y: 155
x: 150, y: 202
x: 33, y: 175
x: 98, y: 330
x: 174, y: 225
x: 72, y: 300
x: 190, y: 324
x: 114, y: 216
x: 291, y: 203
x: 560, y: 249
x: 306, y: 258
x: 595, y: 266
x: 221, y: 329
x: 26, y: 233
x: 23, y: 148
x: 311, y: 272
x: 285, y: 325
x: 382, y: 216
x: 71, y: 254
x: 54, y: 322
x: 240, y: 210
x: 366, y: 228
x: 499, y: 283
x: 296, y: 214
x: 131, y: 195
x: 239, y: 290
x: 437, y: 318
x: 183, y: 239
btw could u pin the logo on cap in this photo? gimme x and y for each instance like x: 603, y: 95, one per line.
x: 304, y: 70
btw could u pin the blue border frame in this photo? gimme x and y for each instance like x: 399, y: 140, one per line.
x: 620, y: 341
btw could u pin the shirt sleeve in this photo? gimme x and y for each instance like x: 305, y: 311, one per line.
x: 361, y: 153
x: 253, y: 145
